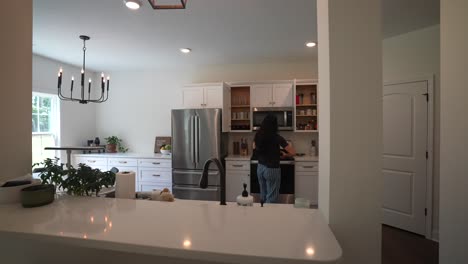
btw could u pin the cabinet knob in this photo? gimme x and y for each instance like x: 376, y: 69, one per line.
x: 156, y: 175
x: 156, y: 163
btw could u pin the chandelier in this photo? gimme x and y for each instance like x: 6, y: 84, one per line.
x: 156, y: 4
x: 83, y: 98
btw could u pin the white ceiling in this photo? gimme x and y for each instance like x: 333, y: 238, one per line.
x: 401, y: 16
x: 218, y: 31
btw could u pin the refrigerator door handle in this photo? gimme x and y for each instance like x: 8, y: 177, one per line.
x: 197, y: 139
x: 192, y: 138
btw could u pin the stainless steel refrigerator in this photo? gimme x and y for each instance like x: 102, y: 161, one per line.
x: 196, y: 137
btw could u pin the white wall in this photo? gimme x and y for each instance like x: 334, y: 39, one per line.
x: 15, y: 76
x: 140, y: 103
x: 77, y: 121
x: 350, y: 128
x: 454, y: 131
x: 410, y: 56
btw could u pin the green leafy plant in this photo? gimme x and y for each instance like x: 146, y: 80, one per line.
x: 113, y: 140
x: 82, y: 181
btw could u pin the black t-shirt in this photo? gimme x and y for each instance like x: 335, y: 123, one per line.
x: 269, y: 152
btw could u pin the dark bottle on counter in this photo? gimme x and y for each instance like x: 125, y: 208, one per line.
x: 97, y: 141
x: 244, y: 147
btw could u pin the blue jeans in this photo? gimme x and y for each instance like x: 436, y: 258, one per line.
x: 269, y: 180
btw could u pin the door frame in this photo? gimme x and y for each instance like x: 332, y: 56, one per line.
x: 430, y: 80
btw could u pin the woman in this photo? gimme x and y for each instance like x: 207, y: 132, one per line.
x: 267, y: 145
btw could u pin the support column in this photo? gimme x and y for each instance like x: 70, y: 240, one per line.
x: 350, y: 124
x: 453, y: 229
x: 16, y: 88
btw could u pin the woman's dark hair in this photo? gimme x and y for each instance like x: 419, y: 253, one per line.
x: 267, y: 133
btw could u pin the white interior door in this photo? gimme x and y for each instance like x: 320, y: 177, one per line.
x: 405, y: 133
x: 192, y: 97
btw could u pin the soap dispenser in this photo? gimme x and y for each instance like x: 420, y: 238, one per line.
x: 245, y: 199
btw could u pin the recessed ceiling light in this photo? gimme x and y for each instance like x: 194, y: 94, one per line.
x: 185, y: 50
x: 311, y: 44
x: 133, y: 4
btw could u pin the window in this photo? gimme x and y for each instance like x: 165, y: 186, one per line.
x: 45, y: 124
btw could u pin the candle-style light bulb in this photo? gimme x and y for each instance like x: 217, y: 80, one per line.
x: 108, y: 78
x: 72, y: 81
x: 89, y: 89
x: 82, y: 77
x: 59, y: 80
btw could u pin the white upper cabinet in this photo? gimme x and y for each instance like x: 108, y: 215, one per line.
x: 210, y: 95
x: 213, y: 97
x: 261, y: 95
x: 192, y: 97
x: 282, y: 95
x: 202, y: 96
x: 272, y: 95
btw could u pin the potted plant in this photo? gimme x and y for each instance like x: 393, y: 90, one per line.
x: 81, y: 181
x: 114, y: 144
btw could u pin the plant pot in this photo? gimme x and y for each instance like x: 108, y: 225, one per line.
x: 112, y: 148
x: 37, y: 195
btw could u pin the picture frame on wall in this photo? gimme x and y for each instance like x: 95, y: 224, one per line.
x: 161, y: 141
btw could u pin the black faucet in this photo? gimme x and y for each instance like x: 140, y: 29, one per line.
x: 222, y: 175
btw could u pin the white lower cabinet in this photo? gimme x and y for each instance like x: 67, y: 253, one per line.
x: 154, y: 174
x: 237, y: 174
x: 149, y: 186
x: 306, y: 181
x: 151, y: 173
x: 93, y: 162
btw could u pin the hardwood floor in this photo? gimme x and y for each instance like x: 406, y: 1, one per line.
x: 401, y: 247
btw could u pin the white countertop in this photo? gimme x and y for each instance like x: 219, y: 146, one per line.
x: 237, y: 158
x: 198, y: 230
x: 306, y: 158
x: 127, y: 155
x: 296, y: 158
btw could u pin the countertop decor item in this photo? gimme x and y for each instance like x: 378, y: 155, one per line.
x: 10, y: 191
x: 83, y: 99
x: 37, y: 195
x: 114, y: 144
x: 161, y: 142
x: 166, y: 149
x: 245, y: 199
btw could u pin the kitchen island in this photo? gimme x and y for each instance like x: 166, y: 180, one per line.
x: 179, y: 232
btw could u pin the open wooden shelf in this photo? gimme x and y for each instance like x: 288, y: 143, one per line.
x: 240, y: 119
x: 306, y: 105
x: 306, y: 102
x: 240, y: 106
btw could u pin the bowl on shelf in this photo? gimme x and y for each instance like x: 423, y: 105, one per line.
x: 165, y: 152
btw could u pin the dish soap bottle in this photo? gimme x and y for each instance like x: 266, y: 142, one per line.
x: 245, y: 199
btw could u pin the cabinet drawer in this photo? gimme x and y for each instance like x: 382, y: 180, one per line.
x: 306, y: 166
x: 151, y: 175
x: 122, y: 169
x: 238, y: 165
x: 92, y: 161
x: 122, y: 162
x: 155, y: 163
x: 148, y: 186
